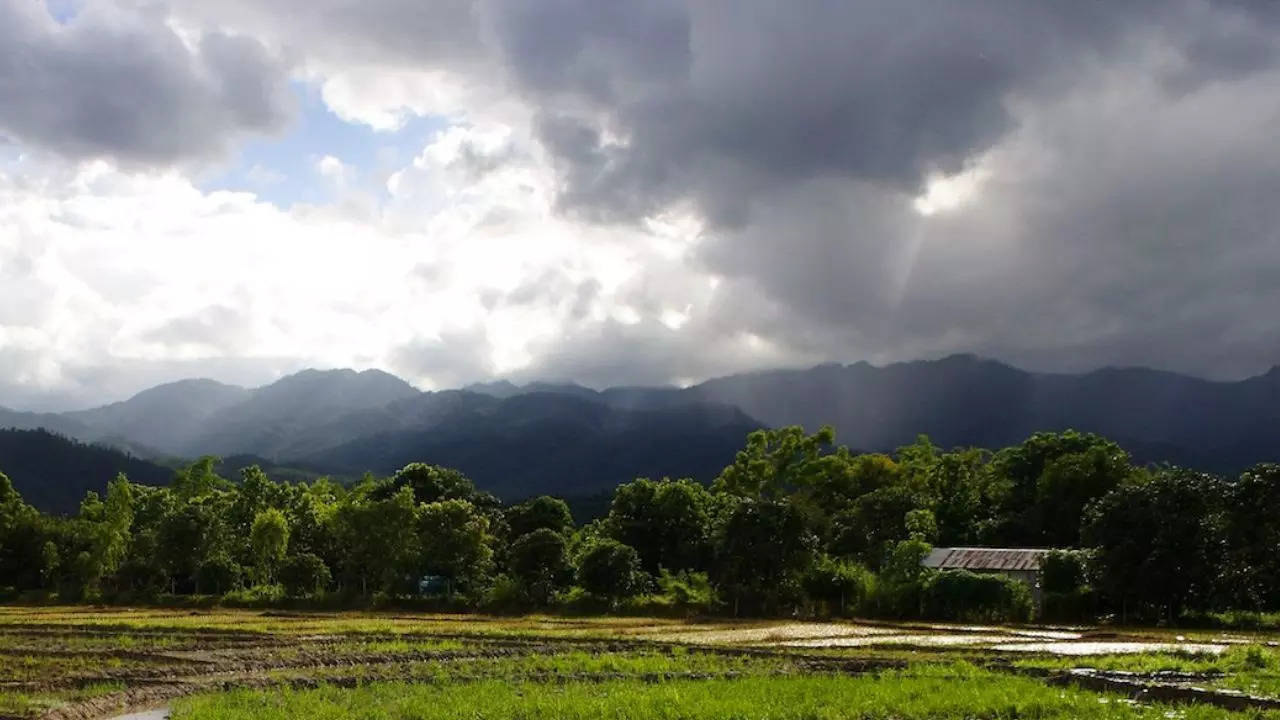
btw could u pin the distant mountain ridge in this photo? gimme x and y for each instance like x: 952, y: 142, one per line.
x: 559, y: 437
x: 963, y: 400
x: 552, y: 440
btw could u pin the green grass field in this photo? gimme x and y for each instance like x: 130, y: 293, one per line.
x: 77, y: 662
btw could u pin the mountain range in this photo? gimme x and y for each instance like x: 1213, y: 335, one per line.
x: 522, y: 440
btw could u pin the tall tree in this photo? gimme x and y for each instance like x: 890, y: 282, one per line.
x: 1252, y: 538
x: 540, y: 561
x: 540, y: 512
x: 764, y: 549
x: 1048, y: 480
x: 775, y: 463
x: 269, y: 538
x: 668, y: 522
x: 378, y: 539
x: 433, y: 483
x: 610, y: 570
x: 455, y: 542
x: 1157, y: 544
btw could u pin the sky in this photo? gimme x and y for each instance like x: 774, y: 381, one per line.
x: 630, y: 191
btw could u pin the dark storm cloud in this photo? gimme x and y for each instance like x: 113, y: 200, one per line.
x: 125, y: 86
x: 750, y: 95
x: 726, y: 101
x: 1125, y: 218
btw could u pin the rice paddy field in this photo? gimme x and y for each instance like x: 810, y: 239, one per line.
x: 85, y: 663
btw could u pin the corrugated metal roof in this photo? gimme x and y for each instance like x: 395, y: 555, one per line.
x: 978, y: 558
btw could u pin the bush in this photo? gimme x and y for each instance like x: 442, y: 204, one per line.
x: 540, y: 561
x: 218, y: 574
x: 608, y: 569
x: 505, y: 595
x: 971, y: 597
x: 839, y: 585
x: 304, y: 574
x: 895, y: 599
x: 688, y: 591
x: 1063, y: 571
x: 256, y: 596
x: 1079, y: 605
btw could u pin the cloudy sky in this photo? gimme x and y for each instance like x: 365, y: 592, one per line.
x: 630, y: 191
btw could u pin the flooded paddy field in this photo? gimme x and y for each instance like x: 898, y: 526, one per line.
x: 87, y: 663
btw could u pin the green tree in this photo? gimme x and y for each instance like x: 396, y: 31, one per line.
x: 1157, y: 545
x: 840, y: 585
x: 764, y: 549
x: 432, y: 483
x: 1062, y: 571
x: 874, y: 522
x: 1252, y: 537
x: 964, y: 500
x: 668, y: 522
x: 269, y: 538
x: 377, y: 539
x: 454, y: 541
x: 540, y: 562
x: 775, y: 463
x: 22, y: 538
x: 50, y: 563
x: 189, y: 534
x: 304, y: 574
x: 1048, y: 481
x: 537, y: 513
x: 112, y: 542
x: 198, y: 479
x: 611, y: 570
x: 217, y: 573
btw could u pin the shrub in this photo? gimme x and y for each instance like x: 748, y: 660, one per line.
x: 611, y: 570
x: 971, y: 597
x: 1079, y: 605
x: 504, y: 595
x: 540, y: 561
x: 256, y: 596
x: 690, y: 591
x: 218, y: 574
x: 304, y: 574
x: 894, y: 598
x: 1063, y: 571
x: 840, y: 585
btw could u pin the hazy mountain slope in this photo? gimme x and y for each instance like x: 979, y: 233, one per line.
x: 56, y: 422
x: 542, y: 437
x: 53, y: 472
x: 164, y: 419
x: 554, y: 443
x: 964, y: 400
x: 272, y: 417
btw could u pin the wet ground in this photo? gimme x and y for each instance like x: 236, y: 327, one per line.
x: 89, y: 664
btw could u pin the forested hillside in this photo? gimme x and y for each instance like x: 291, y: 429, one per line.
x: 520, y: 441
x: 792, y: 522
x: 53, y: 472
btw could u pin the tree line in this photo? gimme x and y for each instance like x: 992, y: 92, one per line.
x: 794, y: 524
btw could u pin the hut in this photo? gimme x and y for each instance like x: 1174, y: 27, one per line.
x: 1021, y: 564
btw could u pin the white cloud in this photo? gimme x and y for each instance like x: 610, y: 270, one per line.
x: 384, y: 99
x: 332, y: 169
x: 261, y: 177
x: 144, y: 269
